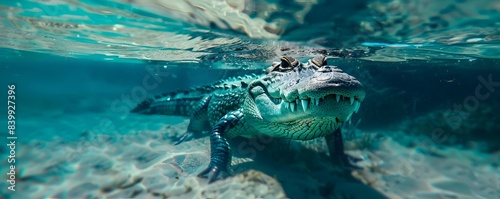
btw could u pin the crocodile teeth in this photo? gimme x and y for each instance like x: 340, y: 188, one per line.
x: 356, y: 106
x: 315, y: 101
x: 349, y: 117
x: 292, y: 106
x: 352, y: 100
x: 305, y: 103
x: 287, y: 105
x: 337, y: 97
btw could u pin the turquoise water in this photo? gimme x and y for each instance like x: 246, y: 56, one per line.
x: 428, y: 127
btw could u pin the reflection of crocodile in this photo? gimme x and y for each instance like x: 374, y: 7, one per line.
x: 254, y: 18
x: 292, y: 100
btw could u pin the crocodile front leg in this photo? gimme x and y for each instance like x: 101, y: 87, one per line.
x: 336, y: 148
x: 220, y: 154
x: 198, y: 121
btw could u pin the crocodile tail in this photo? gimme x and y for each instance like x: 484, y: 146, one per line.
x: 167, y: 106
x: 143, y: 107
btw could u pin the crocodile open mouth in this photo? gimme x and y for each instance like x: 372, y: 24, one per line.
x: 308, y: 102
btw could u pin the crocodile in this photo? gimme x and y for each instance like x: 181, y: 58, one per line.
x: 291, y: 100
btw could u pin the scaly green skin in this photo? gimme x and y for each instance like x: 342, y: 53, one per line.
x: 292, y: 100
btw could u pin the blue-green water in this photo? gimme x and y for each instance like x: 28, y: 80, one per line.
x: 428, y: 128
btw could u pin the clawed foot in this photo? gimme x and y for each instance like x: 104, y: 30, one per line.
x: 213, y: 172
x: 349, y: 162
x: 186, y: 137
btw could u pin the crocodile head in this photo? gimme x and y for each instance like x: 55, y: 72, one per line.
x: 303, y: 101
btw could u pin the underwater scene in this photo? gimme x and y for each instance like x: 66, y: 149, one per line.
x: 250, y: 99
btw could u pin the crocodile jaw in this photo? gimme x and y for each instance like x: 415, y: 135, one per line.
x: 307, y: 93
x: 298, y: 125
x: 299, y: 109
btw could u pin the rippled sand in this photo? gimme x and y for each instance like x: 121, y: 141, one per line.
x: 140, y: 161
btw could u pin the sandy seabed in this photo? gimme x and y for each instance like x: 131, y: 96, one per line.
x: 138, y: 160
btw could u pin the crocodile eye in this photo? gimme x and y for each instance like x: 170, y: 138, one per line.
x: 272, y: 68
x: 319, y: 61
x: 286, y: 64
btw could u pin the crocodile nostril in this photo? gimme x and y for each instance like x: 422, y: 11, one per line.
x: 326, y: 69
x: 324, y: 76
